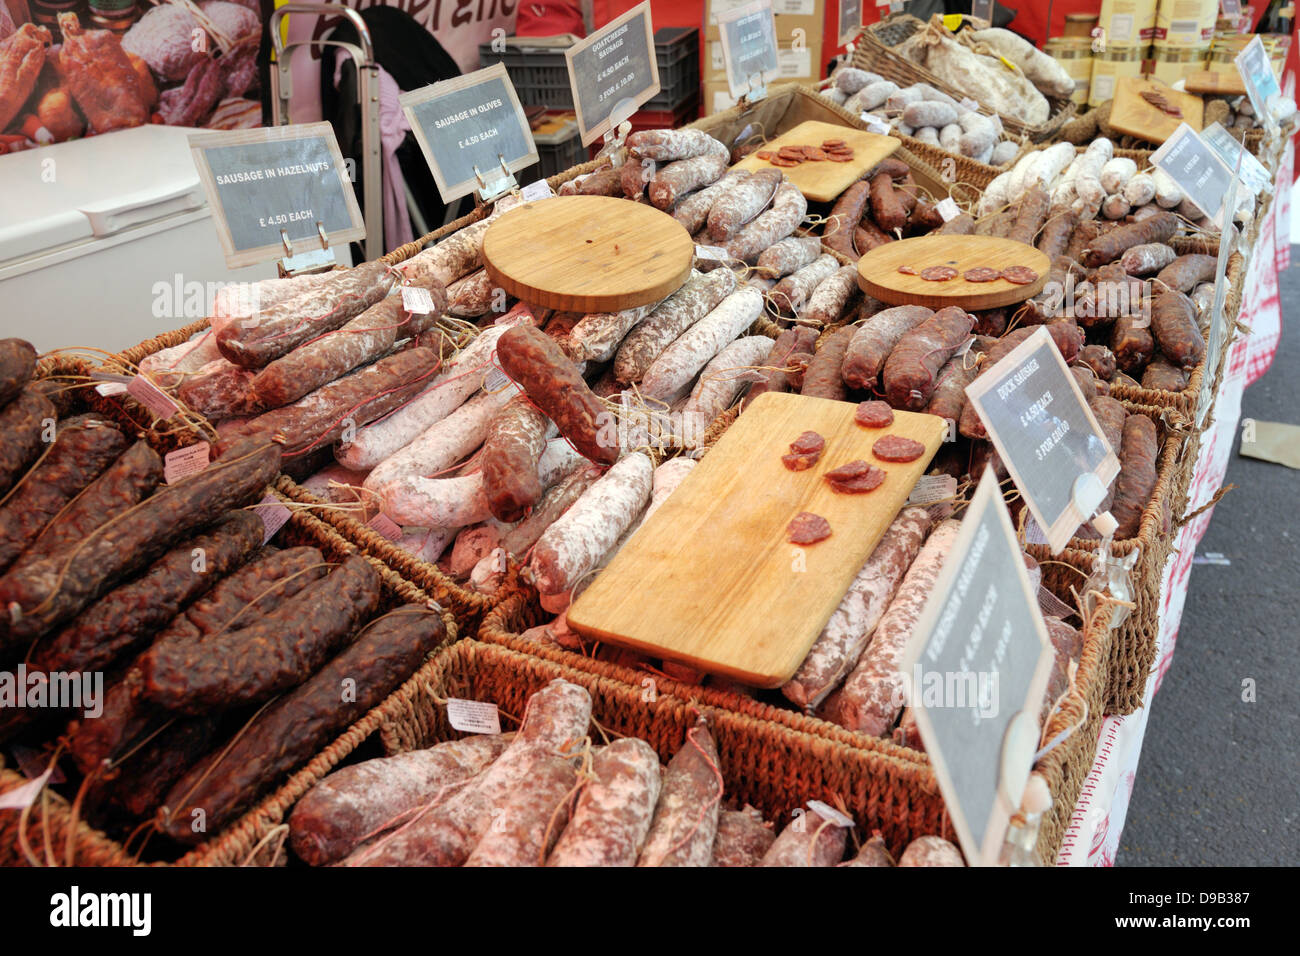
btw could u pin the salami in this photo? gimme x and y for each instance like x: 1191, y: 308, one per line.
x: 472, y: 296
x: 514, y: 444
x: 354, y: 803
x: 1031, y: 212
x: 804, y: 451
x: 886, y: 207
x: 259, y: 587
x: 635, y: 176
x: 742, y: 203
x: 1056, y: 232
x: 791, y: 294
x: 1137, y: 474
x: 681, y: 176
x: 1100, y: 359
x: 788, y: 256
x: 221, y: 390
x: 823, y: 377
x: 855, y: 478
x: 1173, y: 320
x: 742, y: 838
x: 596, y: 336
x: 875, y: 339
x: 1131, y: 343
x: 1162, y: 376
x: 949, y: 398
x: 530, y: 818
x: 366, y: 338
x: 1185, y: 272
x: 786, y: 213
x: 868, y: 236
x: 145, y: 776
x: 844, y: 218
x: 874, y: 414
x: 722, y: 380
x: 811, y: 840
x: 897, y: 448
x: 773, y: 378
x: 873, y: 853
x: 982, y: 274
x: 452, y: 257
x: 939, y: 273
x: 576, y: 542
x: 931, y: 851
x: 1019, y: 275
x: 557, y: 500
x: 17, y: 363
x: 668, y: 145
x: 908, y: 270
x: 911, y: 371
x: 23, y: 422
x: 557, y: 388
x: 870, y: 700
x: 693, y: 211
x: 1110, y: 245
x: 603, y: 182
x: 54, y: 589
x: 807, y: 528
x: 686, y: 817
x: 130, y: 614
x: 697, y: 297
x: 83, y: 448
x: 612, y: 817
x: 555, y: 718
x: 832, y: 298
x: 300, y: 723
x: 681, y: 361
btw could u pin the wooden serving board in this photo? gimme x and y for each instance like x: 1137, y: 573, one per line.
x: 823, y: 181
x: 711, y: 579
x: 878, y: 273
x: 587, y: 253
x: 1133, y: 115
x: 1210, y: 83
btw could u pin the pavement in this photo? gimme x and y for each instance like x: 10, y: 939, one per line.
x: 1219, y: 775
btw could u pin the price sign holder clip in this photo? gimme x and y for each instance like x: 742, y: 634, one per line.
x: 502, y: 182
x: 619, y: 127
x: 757, y: 90
x: 306, y: 263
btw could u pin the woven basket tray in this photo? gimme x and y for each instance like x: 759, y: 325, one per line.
x: 1065, y: 767
x: 875, y: 52
x: 55, y: 836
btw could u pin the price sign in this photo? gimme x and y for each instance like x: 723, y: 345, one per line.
x: 1218, y: 332
x: 262, y: 183
x: 472, y: 130
x: 1197, y: 169
x: 749, y: 49
x: 1230, y: 8
x: 1046, y: 434
x: 983, y: 9
x: 850, y: 20
x: 613, y: 72
x: 976, y: 667
x: 1257, y: 73
x: 1233, y: 155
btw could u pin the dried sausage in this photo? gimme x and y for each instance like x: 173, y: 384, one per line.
x: 681, y: 361
x: 788, y: 209
x: 792, y: 293
x: 808, y: 528
x: 822, y: 379
x: 844, y: 218
x: 1173, y: 320
x: 1137, y: 474
x: 874, y: 414
x: 23, y: 423
x: 875, y: 339
x: 810, y: 840
x: 897, y: 448
x: 742, y: 203
x: 681, y: 176
x: 515, y: 441
x: 788, y: 256
x: 742, y: 838
x: 530, y: 818
x: 1109, y: 246
x: 17, y: 363
x: 686, y: 816
x: 612, y: 818
x: 697, y: 297
x: 886, y: 208
x: 773, y: 378
x: 912, y: 368
x: 857, y: 477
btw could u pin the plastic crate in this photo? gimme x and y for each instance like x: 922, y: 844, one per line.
x: 685, y: 112
x: 539, y: 75
x: 559, y: 147
x: 677, y: 53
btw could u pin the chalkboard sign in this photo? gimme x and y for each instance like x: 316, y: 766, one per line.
x: 467, y: 124
x: 749, y: 46
x: 1257, y: 73
x: 1044, y: 431
x: 613, y: 70
x: 1197, y: 169
x: 850, y: 20
x: 261, y: 181
x: 976, y: 669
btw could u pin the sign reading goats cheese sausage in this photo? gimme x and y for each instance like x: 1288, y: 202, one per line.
x: 472, y: 129
x: 975, y: 671
x: 749, y: 46
x: 1045, y: 433
x: 613, y: 72
x: 275, y: 183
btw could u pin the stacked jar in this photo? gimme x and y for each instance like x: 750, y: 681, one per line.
x: 1123, y: 36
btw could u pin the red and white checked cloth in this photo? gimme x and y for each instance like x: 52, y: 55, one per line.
x: 1092, y: 838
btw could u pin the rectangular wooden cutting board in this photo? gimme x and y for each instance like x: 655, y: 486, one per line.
x: 824, y: 180
x: 711, y: 579
x: 1134, y: 115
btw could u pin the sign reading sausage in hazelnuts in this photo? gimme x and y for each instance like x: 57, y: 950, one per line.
x: 613, y: 72
x: 276, y: 183
x: 472, y: 129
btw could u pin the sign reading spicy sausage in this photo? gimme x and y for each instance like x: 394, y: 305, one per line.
x: 470, y: 128
x: 275, y: 183
x: 614, y: 68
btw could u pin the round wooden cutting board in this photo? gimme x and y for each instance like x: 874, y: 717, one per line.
x: 878, y: 273
x: 587, y: 253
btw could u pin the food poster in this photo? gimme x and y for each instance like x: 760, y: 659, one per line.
x: 72, y: 68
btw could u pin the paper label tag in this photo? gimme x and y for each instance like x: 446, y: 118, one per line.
x: 386, y: 526
x: 538, y: 190
x: 273, y: 514
x: 416, y: 300
x: 20, y: 798
x: 875, y: 124
x: 931, y: 489
x: 711, y: 252
x: 829, y: 813
x: 1051, y: 605
x: 1034, y: 532
x: 495, y: 380
x: 947, y: 208
x: 151, y: 397
x: 110, y: 388
x: 473, y: 716
x: 186, y: 461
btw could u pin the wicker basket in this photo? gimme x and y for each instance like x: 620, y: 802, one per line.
x: 55, y: 836
x: 1065, y: 766
x: 875, y: 52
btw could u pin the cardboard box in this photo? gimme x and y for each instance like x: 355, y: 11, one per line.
x: 792, y: 64
x: 717, y: 97
x: 790, y: 15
